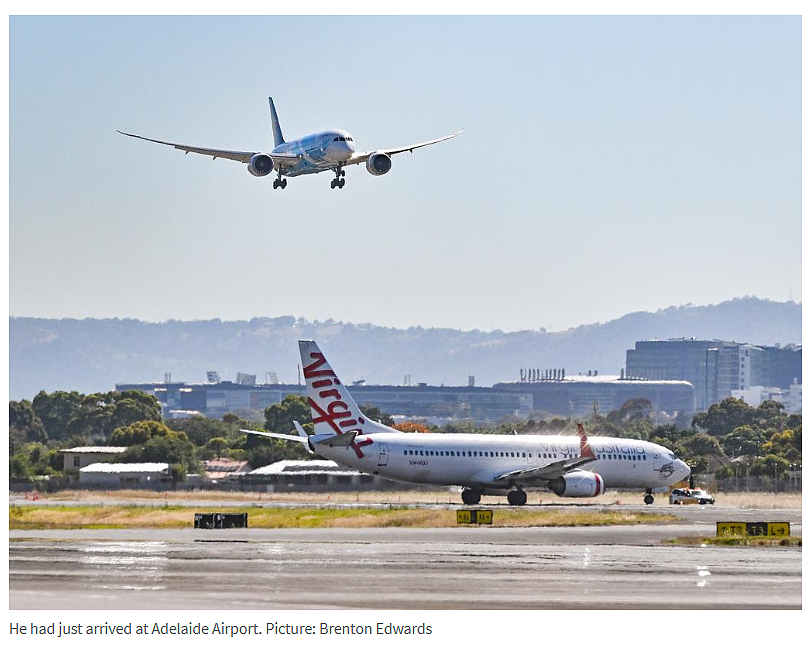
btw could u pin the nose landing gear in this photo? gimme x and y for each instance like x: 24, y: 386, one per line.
x: 649, y: 498
x: 339, y: 182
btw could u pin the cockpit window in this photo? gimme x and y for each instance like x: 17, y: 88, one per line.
x: 672, y: 456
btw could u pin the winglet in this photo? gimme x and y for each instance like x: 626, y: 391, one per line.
x: 586, y: 450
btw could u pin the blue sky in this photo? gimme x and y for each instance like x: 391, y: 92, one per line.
x: 609, y: 165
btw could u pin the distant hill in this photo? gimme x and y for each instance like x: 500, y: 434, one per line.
x: 93, y: 354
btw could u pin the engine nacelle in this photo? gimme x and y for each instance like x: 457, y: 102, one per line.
x: 579, y: 483
x: 261, y: 165
x: 379, y: 164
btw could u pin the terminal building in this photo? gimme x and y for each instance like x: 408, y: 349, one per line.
x: 568, y: 395
x: 716, y: 368
x: 572, y: 395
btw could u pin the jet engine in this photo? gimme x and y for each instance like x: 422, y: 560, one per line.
x: 578, y: 484
x: 379, y: 164
x: 260, y: 165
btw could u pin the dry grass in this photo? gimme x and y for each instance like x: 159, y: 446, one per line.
x: 438, y: 497
x: 737, y: 541
x: 81, y: 517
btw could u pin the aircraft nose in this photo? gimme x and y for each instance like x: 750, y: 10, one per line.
x: 683, y: 470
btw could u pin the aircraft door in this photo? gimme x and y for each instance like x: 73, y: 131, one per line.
x: 382, y: 454
x: 657, y: 461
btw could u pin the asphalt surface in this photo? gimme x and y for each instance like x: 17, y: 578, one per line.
x: 465, y: 568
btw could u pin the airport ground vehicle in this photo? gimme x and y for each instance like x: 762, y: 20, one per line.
x: 690, y: 496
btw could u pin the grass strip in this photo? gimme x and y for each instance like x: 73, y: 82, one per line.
x: 174, y: 517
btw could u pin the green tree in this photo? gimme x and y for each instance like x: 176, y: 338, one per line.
x: 723, y: 417
x: 769, y: 466
x: 56, y: 410
x: 216, y: 445
x: 262, y: 451
x: 173, y: 448
x: 374, y: 413
x: 744, y: 441
x: 140, y: 432
x: 701, y: 444
x: 24, y: 425
x: 279, y: 416
x: 101, y: 413
x: 200, y: 429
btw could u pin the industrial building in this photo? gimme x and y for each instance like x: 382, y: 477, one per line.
x: 215, y: 400
x: 568, y: 395
x: 125, y: 475
x: 561, y: 396
x: 313, y: 475
x: 80, y: 457
x: 716, y: 368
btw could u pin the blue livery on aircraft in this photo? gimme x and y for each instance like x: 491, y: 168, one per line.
x: 319, y: 152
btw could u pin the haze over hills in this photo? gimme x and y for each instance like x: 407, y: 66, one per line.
x: 94, y: 354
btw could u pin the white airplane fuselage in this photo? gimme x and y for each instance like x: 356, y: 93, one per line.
x: 474, y: 459
x: 317, y: 152
x: 570, y: 466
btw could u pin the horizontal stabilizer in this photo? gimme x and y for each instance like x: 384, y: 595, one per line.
x: 275, y: 435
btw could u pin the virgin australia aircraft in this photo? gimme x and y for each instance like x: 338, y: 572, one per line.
x: 319, y: 152
x: 492, y: 464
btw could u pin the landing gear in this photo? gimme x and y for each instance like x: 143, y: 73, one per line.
x: 279, y: 183
x: 648, y: 499
x: 517, y: 497
x: 471, y: 496
x: 339, y: 182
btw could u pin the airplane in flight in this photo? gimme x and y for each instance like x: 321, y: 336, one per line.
x: 482, y: 464
x: 318, y: 152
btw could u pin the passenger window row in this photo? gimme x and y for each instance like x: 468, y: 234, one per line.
x: 523, y: 455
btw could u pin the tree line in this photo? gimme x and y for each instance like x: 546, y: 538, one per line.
x: 730, y: 438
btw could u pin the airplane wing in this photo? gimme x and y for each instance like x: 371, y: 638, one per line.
x: 361, y: 157
x: 545, y: 473
x: 240, y: 156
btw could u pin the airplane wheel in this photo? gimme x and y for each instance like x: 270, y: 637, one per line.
x: 333, y: 184
x: 471, y: 496
x: 283, y: 183
x: 517, y: 498
x: 275, y: 184
x: 341, y: 184
x: 648, y: 499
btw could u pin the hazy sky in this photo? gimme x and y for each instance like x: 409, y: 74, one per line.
x: 608, y: 165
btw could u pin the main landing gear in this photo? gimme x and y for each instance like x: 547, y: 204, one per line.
x: 517, y: 497
x: 339, y: 182
x: 470, y: 496
x: 649, y: 498
x: 279, y: 183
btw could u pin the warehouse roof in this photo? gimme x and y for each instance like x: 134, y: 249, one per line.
x: 110, y: 449
x: 125, y: 467
x: 300, y: 467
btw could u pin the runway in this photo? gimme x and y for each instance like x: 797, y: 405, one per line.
x: 453, y: 568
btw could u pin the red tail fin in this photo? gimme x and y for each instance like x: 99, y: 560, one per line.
x: 586, y: 449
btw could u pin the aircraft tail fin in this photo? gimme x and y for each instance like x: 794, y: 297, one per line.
x: 586, y: 450
x: 276, y: 126
x: 333, y: 409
